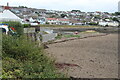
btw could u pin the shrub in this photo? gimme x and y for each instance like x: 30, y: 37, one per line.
x: 93, y: 23
x: 69, y: 36
x: 26, y: 25
x: 23, y: 59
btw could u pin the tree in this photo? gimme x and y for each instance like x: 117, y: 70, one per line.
x: 117, y: 13
x: 63, y: 15
x: 115, y: 19
x: 22, y: 7
x: 75, y: 11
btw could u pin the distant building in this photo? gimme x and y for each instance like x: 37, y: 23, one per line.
x: 119, y: 6
x: 114, y: 24
x: 51, y: 20
x: 59, y: 21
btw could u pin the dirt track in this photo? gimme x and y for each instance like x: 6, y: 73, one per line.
x: 95, y: 57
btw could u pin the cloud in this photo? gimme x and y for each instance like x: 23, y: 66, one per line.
x: 83, y: 5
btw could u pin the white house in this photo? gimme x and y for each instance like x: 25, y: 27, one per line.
x: 7, y: 15
x: 32, y: 20
x: 113, y: 24
x: 42, y: 20
x: 59, y: 21
x: 51, y: 20
x: 102, y: 23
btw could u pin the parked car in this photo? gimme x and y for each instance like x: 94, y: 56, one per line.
x: 33, y: 24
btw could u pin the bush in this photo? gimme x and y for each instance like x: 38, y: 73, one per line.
x: 23, y: 59
x: 17, y: 25
x: 26, y: 25
x: 93, y: 23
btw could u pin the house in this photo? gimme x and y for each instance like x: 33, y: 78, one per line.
x: 76, y: 22
x: 58, y: 21
x: 7, y: 15
x: 114, y: 24
x: 62, y: 21
x: 42, y: 20
x: 31, y: 19
x: 51, y: 20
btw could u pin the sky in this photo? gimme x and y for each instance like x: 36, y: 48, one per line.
x: 67, y: 5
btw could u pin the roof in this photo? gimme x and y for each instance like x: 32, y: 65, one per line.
x: 51, y: 19
x: 63, y: 19
x: 7, y: 15
x: 59, y: 19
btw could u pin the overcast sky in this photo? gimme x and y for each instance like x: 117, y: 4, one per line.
x: 67, y: 5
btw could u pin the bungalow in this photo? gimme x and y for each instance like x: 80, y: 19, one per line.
x: 7, y: 15
x: 63, y: 21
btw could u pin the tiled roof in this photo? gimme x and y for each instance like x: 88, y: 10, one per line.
x: 51, y: 19
x: 63, y: 19
x: 58, y: 19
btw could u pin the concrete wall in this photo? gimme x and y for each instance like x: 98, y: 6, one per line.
x: 48, y: 37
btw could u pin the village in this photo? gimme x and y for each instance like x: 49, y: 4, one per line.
x: 35, y: 16
x: 40, y: 43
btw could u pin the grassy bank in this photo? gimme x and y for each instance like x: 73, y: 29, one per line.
x: 23, y: 59
x: 66, y: 26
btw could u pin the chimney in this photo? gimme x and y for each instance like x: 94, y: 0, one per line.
x: 7, y: 7
x: 7, y: 4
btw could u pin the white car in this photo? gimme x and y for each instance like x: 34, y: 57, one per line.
x: 33, y: 24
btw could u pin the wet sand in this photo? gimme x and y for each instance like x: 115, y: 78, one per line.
x: 95, y: 57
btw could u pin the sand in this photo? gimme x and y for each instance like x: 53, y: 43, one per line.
x: 93, y: 57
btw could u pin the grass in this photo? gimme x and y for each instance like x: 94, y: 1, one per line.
x: 59, y: 37
x: 69, y: 36
x: 90, y: 31
x: 72, y: 35
x: 65, y: 26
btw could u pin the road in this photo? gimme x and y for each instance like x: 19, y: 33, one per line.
x: 94, y: 57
